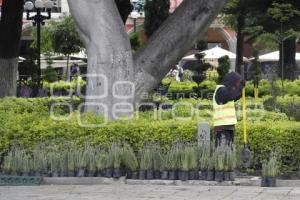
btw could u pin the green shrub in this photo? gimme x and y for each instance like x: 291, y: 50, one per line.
x: 27, y: 122
x: 290, y: 105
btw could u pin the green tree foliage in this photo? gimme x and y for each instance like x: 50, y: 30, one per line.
x: 254, y: 18
x: 156, y: 12
x: 223, y: 68
x: 199, y: 72
x: 134, y: 41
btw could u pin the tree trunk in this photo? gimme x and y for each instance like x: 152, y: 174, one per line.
x: 8, y: 77
x: 68, y: 73
x: 116, y: 80
x: 289, y: 60
x: 240, y: 43
x: 10, y: 35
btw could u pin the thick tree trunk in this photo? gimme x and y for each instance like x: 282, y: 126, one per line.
x: 110, y: 64
x: 116, y: 80
x: 8, y: 77
x: 240, y: 43
x: 289, y: 60
x: 10, y: 35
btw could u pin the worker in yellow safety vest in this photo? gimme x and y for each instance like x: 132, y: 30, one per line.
x: 224, y: 114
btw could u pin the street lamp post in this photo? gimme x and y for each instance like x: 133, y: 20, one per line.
x: 38, y: 21
x: 135, y: 15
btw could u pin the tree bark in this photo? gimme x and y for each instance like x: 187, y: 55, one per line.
x: 10, y: 35
x: 8, y: 77
x: 110, y: 56
x: 289, y: 52
x: 240, y: 43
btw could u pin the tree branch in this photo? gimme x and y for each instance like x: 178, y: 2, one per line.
x: 173, y: 39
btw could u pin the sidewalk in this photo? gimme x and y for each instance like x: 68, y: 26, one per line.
x: 147, y: 192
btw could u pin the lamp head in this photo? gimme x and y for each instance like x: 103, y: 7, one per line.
x: 134, y: 14
x: 49, y: 4
x: 28, y: 6
x: 39, y: 4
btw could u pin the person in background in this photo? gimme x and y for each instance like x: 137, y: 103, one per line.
x: 224, y: 114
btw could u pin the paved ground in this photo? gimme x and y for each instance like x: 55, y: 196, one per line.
x: 147, y: 192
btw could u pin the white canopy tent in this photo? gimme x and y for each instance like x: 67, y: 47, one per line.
x: 274, y: 57
x: 212, y: 56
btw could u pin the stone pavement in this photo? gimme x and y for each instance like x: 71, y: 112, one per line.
x: 147, y: 192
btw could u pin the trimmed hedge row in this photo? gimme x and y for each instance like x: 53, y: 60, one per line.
x: 27, y: 122
x: 290, y: 105
x: 208, y: 86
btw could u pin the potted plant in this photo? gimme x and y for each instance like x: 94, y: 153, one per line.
x: 116, y: 153
x: 26, y: 165
x: 101, y: 158
x: 165, y: 167
x: 210, y: 176
x: 193, y: 162
x: 157, y: 163
x: 204, y: 162
x: 230, y: 164
x: 91, y: 166
x: 130, y: 161
x: 109, y: 164
x: 184, y: 165
x: 63, y: 162
x: 8, y: 163
x: 39, y: 161
x: 71, y: 157
x: 270, y: 170
x: 220, y: 164
x: 145, y: 163
x: 174, y: 162
x: 54, y: 163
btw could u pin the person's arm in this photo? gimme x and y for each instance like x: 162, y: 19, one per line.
x: 225, y: 94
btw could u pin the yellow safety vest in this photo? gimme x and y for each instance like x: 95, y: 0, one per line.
x: 223, y: 114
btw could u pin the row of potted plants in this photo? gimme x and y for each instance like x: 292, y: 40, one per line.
x: 182, y: 161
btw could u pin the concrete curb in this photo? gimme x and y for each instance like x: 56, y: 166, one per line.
x: 241, y: 181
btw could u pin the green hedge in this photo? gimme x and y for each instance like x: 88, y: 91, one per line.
x: 208, y: 87
x: 27, y: 122
x: 290, y: 105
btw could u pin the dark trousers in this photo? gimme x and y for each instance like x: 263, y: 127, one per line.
x: 224, y: 137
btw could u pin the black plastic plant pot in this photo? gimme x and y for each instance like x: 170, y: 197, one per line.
x: 164, y: 175
x: 227, y: 176
x: 173, y: 175
x: 108, y: 173
x: 135, y: 175
x: 231, y: 176
x: 142, y: 174
x: 150, y: 174
x: 129, y: 174
x: 203, y: 175
x: 71, y: 173
x: 219, y: 176
x: 183, y: 175
x: 81, y: 173
x: 91, y: 174
x: 117, y: 173
x: 100, y: 174
x: 193, y: 175
x: 268, y: 182
x: 63, y: 174
x: 55, y: 174
x: 157, y: 175
x: 210, y: 175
